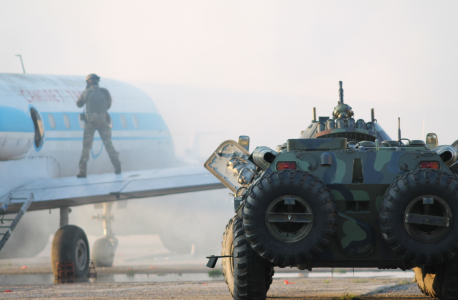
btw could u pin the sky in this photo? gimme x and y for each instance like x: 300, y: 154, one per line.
x: 219, y: 69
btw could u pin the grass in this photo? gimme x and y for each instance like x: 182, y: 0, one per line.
x: 327, y: 281
x: 360, y: 281
x: 404, y: 281
x: 6, y: 264
x: 343, y: 271
x: 347, y: 296
x: 216, y: 273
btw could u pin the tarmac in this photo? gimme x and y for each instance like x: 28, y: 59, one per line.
x: 298, y: 289
x: 144, y: 269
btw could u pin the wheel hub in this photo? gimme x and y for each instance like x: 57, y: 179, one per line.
x: 427, y: 218
x: 289, y: 218
x: 81, y: 254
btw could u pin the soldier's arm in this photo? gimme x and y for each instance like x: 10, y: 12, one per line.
x: 107, y: 96
x: 81, y: 100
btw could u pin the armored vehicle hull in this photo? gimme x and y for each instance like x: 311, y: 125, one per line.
x: 342, y: 195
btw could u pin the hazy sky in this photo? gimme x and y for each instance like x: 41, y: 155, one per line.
x: 400, y: 57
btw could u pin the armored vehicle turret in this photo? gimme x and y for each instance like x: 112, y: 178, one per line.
x: 342, y: 195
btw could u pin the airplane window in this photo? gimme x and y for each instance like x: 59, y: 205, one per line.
x: 39, y: 129
x: 135, y: 120
x: 123, y: 121
x: 52, y: 121
x: 66, y: 121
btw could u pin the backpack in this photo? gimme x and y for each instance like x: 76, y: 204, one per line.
x: 96, y: 101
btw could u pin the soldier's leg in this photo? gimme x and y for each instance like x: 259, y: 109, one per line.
x: 88, y: 137
x: 105, y: 134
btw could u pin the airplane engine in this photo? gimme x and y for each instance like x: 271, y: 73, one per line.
x: 17, y: 133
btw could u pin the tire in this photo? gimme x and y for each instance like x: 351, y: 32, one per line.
x: 425, y: 282
x: 103, y: 253
x: 70, y: 246
x: 421, y: 244
x: 448, y: 275
x: 270, y: 272
x: 441, y: 285
x: 247, y: 275
x: 283, y: 243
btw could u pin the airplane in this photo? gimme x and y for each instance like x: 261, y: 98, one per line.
x: 41, y: 133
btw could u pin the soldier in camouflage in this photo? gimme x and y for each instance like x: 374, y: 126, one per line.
x: 98, y: 101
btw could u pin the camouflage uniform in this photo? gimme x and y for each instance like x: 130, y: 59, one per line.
x: 98, y: 101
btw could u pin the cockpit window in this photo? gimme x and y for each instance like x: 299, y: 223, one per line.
x: 39, y: 129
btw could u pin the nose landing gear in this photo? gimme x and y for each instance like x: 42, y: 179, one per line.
x: 105, y: 247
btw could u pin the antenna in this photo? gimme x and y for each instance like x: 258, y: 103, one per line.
x: 423, y: 131
x: 22, y: 63
x: 372, y: 115
x: 341, y: 93
x: 399, y: 129
x: 314, y: 114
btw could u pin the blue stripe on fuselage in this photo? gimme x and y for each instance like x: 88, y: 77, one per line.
x: 159, y: 138
x: 146, y: 121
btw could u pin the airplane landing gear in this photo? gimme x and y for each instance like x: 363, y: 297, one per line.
x: 105, y: 247
x: 103, y: 253
x: 70, y: 246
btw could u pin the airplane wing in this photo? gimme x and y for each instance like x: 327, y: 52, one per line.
x: 73, y: 191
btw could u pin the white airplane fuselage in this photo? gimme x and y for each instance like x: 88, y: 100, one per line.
x: 31, y: 151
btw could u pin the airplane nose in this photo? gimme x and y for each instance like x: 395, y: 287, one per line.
x: 17, y: 133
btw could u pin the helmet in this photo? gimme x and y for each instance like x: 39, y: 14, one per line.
x: 92, y: 77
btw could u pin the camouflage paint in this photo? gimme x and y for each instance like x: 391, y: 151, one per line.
x: 358, y: 241
x: 326, y: 154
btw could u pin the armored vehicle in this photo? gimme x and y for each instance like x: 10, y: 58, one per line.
x: 343, y: 194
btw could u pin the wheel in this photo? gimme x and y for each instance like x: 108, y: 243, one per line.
x: 448, y: 277
x: 103, y: 253
x: 418, y: 216
x: 442, y: 284
x: 247, y: 275
x: 289, y: 217
x: 425, y: 282
x: 270, y: 272
x: 70, y: 246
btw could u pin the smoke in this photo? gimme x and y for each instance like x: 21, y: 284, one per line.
x: 31, y: 235
x: 217, y: 70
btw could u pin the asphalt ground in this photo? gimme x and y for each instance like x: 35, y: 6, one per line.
x: 300, y: 289
x: 145, y: 259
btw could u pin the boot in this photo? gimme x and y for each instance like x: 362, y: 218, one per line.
x: 81, y: 174
x: 118, y: 169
